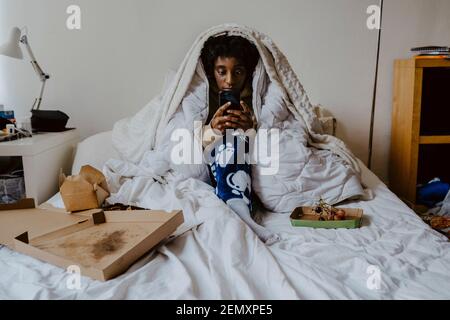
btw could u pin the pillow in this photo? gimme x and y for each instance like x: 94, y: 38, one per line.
x: 95, y: 151
x: 327, y: 121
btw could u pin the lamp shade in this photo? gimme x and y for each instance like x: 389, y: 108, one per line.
x: 12, y: 47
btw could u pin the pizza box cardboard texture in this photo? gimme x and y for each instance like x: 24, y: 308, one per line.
x: 103, y: 244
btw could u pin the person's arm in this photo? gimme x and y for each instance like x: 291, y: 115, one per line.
x: 215, y: 129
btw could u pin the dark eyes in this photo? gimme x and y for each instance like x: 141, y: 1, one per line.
x: 237, y: 72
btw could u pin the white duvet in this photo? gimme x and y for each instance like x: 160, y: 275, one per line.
x: 308, y: 164
x: 394, y: 255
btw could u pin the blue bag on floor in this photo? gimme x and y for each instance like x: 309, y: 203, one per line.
x: 433, y: 192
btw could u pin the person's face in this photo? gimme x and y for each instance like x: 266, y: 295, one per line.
x: 230, y: 74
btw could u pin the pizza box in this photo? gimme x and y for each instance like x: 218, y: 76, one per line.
x: 306, y: 217
x: 103, y: 244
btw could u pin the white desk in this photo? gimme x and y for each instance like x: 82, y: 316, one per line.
x: 43, y: 155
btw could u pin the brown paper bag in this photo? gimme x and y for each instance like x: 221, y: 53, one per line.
x: 87, y: 190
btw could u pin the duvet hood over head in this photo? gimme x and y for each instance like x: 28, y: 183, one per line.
x: 134, y: 136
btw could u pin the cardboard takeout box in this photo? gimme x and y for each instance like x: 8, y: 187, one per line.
x: 87, y: 190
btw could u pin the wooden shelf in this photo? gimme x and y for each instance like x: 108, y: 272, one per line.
x: 432, y: 63
x: 419, y: 85
x: 434, y: 140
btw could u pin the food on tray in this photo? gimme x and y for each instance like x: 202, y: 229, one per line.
x: 327, y: 212
x: 440, y: 223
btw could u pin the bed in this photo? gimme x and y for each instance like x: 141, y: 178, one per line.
x: 394, y: 255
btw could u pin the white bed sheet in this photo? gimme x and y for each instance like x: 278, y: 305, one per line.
x: 223, y: 259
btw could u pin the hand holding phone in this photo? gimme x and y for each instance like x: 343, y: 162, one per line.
x: 230, y: 96
x: 232, y: 116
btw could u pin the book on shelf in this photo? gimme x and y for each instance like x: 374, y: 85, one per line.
x: 432, y: 52
x: 8, y: 115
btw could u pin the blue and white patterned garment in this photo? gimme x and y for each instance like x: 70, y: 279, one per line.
x: 231, y: 168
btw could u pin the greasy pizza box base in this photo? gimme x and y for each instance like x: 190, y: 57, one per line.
x: 105, y: 244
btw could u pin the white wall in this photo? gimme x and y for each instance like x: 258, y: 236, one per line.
x: 116, y: 63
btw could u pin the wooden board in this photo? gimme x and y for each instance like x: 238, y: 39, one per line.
x: 434, y: 140
x: 402, y: 126
x: 405, y: 131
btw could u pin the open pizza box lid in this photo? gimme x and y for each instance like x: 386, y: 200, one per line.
x: 102, y: 244
x: 17, y: 218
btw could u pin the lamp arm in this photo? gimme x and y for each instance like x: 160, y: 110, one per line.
x: 37, y: 101
x: 37, y: 68
x: 42, y: 75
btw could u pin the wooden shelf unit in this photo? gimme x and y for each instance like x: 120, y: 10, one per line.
x: 416, y: 151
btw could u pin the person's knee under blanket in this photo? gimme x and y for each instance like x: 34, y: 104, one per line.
x: 232, y: 174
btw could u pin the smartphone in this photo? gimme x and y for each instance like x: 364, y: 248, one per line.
x: 230, y: 96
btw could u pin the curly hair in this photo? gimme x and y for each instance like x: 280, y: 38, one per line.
x: 229, y: 46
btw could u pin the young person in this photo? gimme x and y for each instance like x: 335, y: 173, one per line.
x: 229, y: 63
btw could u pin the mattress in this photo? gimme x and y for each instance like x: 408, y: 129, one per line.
x: 394, y: 255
